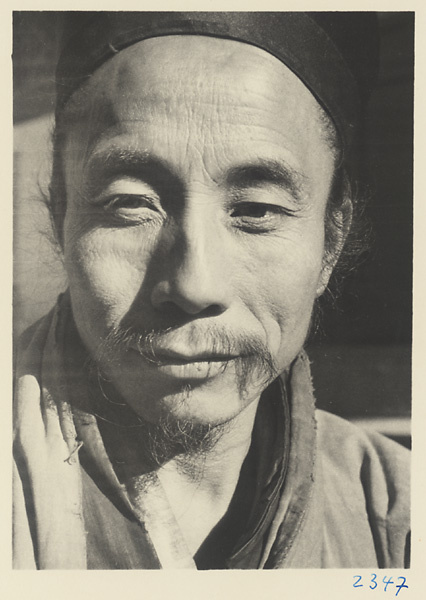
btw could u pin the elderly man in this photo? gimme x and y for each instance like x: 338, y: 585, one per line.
x: 164, y: 413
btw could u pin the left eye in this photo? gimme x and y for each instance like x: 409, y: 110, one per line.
x: 255, y: 210
x: 259, y: 217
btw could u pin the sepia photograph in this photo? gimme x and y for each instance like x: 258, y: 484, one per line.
x: 212, y: 290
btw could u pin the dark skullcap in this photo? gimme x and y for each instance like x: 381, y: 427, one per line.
x: 335, y: 54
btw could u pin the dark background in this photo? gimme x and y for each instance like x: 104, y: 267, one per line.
x: 361, y: 365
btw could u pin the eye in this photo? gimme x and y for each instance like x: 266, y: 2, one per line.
x: 129, y: 202
x: 133, y: 209
x: 253, y: 210
x: 259, y: 216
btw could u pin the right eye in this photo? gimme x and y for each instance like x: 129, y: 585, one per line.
x: 131, y: 207
x: 129, y: 202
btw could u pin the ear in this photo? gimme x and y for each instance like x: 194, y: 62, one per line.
x: 336, y: 233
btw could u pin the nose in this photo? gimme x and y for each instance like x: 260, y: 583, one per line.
x: 192, y: 274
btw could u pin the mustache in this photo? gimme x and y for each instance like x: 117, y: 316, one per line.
x: 245, y: 350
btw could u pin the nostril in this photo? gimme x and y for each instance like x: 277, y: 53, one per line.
x: 192, y: 296
x: 175, y: 310
x: 214, y: 310
x: 176, y: 314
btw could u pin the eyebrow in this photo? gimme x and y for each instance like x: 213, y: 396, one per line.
x: 269, y: 172
x: 122, y: 161
x: 104, y: 166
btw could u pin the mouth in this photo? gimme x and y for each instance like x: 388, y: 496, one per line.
x: 171, y: 357
x: 200, y: 365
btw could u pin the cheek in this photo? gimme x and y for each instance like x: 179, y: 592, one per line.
x: 285, y: 276
x: 106, y: 270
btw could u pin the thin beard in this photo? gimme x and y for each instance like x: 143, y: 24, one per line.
x: 186, y: 442
x: 169, y: 438
x: 254, y: 362
x: 183, y: 440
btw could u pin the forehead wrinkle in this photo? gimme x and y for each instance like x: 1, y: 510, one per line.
x: 191, y: 130
x: 101, y: 104
x: 131, y: 67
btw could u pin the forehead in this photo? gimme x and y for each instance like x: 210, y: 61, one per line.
x: 198, y: 91
x: 152, y: 62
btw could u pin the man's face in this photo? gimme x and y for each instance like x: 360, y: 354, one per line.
x: 197, y: 178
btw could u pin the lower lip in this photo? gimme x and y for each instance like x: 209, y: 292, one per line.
x: 202, y: 369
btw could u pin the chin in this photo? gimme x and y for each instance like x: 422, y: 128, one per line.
x: 197, y: 404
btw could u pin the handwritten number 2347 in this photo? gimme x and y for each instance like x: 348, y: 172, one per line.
x: 387, y: 581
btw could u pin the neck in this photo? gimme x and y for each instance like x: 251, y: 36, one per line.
x: 218, y: 466
x: 199, y: 496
